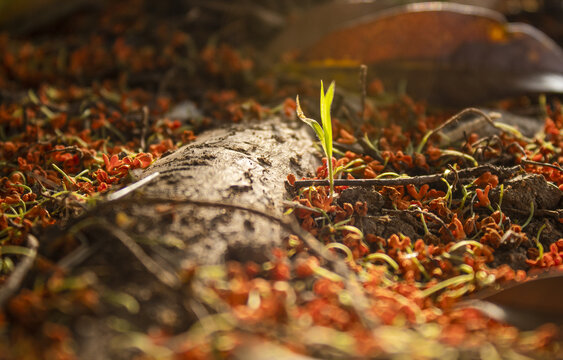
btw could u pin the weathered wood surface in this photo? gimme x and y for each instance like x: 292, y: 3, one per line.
x: 138, y: 248
x: 243, y: 165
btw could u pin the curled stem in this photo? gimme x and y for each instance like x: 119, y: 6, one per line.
x: 531, y: 215
x: 457, y: 280
x: 344, y: 248
x: 384, y: 257
x: 538, y: 243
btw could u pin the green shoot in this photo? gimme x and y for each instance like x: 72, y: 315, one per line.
x: 324, y: 133
x: 412, y: 206
x: 350, y: 167
x: 499, y: 206
x: 417, y: 263
x: 531, y: 214
x: 538, y: 243
x: 426, y: 231
x: 420, y: 146
x: 16, y: 250
x: 455, y: 281
x: 388, y: 174
x: 460, y: 154
x: 384, y: 257
x: 372, y: 145
x: 61, y: 171
x: 464, y: 243
x: 351, y: 228
x: 321, y: 271
x: 345, y: 249
x: 465, y: 195
x: 448, y: 196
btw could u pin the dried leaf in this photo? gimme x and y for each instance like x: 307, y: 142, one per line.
x: 524, y: 304
x: 21, y: 16
x: 448, y: 53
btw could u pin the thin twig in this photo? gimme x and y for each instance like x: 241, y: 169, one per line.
x: 525, y: 160
x: 416, y: 180
x: 78, y: 255
x: 455, y: 118
x: 556, y: 214
x: 531, y: 162
x: 367, y: 149
x: 517, y: 146
x: 460, y: 114
x: 456, y: 177
x: 288, y: 223
x: 295, y: 205
x: 14, y: 281
x: 359, y: 302
x: 72, y: 148
x: 136, y: 185
x: 164, y: 276
x: 152, y: 266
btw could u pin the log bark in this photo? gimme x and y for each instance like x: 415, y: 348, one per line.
x: 243, y: 165
x: 137, y: 248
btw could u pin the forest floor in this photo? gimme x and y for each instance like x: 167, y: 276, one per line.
x: 379, y: 269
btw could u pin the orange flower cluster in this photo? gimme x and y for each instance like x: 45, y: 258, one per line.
x: 53, y: 151
x: 553, y: 258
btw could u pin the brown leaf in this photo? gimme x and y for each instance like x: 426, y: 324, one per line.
x: 22, y: 16
x: 448, y: 53
x: 524, y: 304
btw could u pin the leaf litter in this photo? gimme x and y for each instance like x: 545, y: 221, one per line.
x: 413, y: 228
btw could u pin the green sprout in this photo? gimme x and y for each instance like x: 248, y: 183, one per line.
x: 324, y: 133
x: 538, y: 243
x: 531, y: 214
x: 454, y: 281
x: 345, y: 249
x: 384, y: 257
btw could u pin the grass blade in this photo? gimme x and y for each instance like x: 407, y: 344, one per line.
x: 312, y: 123
x: 326, y: 102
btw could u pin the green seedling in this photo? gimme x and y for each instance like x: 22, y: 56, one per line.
x: 538, y: 243
x: 531, y: 214
x: 454, y: 281
x: 380, y: 256
x: 345, y: 249
x: 324, y: 133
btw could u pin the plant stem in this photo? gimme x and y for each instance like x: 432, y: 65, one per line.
x: 330, y: 176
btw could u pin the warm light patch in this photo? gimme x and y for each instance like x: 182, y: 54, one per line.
x: 497, y: 33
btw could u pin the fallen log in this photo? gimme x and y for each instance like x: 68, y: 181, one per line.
x: 133, y: 252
